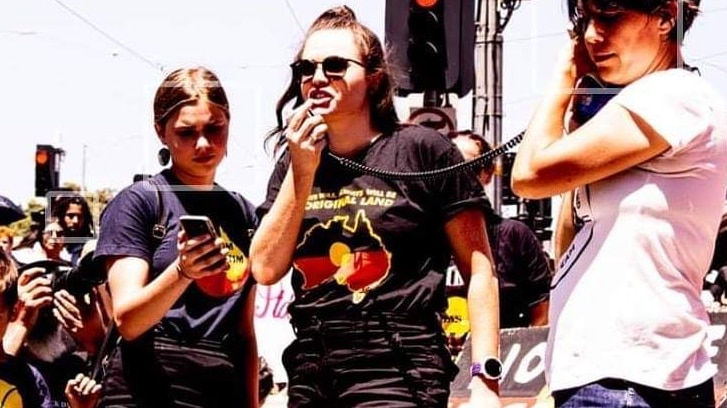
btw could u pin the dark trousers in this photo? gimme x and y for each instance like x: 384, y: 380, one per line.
x: 615, y: 393
x: 376, y: 361
x: 159, y: 372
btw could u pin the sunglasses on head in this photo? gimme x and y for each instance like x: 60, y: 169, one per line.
x: 333, y: 67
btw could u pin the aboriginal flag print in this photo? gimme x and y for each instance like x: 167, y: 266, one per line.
x: 346, y: 251
x: 227, y: 283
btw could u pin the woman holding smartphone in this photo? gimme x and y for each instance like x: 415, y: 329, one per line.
x: 649, y: 171
x: 183, y: 305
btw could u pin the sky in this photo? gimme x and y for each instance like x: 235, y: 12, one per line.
x: 81, y: 75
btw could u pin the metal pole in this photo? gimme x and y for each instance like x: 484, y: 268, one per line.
x: 487, y: 115
x: 480, y: 92
x: 83, y: 170
x: 494, y: 92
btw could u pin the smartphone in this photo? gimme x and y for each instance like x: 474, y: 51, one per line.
x: 197, y: 225
x: 590, y: 95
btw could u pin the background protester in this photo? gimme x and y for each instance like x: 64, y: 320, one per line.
x: 649, y: 170
x: 20, y: 383
x: 74, y: 216
x: 369, y: 256
x: 523, y: 270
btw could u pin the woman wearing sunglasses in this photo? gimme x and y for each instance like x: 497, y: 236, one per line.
x: 649, y: 170
x: 369, y: 256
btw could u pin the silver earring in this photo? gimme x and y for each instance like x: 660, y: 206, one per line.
x: 163, y: 156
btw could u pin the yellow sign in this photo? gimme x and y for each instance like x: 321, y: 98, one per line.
x: 456, y: 320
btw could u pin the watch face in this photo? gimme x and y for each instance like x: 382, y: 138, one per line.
x: 490, y: 369
x: 493, y: 368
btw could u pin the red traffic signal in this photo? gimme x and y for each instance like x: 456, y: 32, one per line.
x: 46, y: 171
x: 431, y: 43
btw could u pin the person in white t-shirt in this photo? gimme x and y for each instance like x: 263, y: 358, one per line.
x: 648, y: 171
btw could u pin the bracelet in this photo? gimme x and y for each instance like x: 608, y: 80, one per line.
x: 181, y: 273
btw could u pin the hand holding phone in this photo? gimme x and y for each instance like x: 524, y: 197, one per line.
x: 197, y: 225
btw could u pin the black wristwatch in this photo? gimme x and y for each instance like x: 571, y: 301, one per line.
x: 490, y: 369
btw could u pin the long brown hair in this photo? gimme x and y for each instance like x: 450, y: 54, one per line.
x: 381, y: 90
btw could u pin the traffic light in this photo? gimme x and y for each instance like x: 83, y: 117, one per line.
x: 46, y: 170
x: 432, y: 43
x: 427, y: 50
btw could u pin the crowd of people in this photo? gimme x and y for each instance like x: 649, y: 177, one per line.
x: 146, y: 311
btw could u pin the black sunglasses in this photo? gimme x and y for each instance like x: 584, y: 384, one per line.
x: 333, y: 67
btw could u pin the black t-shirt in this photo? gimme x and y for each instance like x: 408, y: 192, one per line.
x: 210, y: 307
x: 21, y: 385
x: 369, y: 243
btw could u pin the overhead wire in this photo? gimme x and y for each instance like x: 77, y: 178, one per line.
x: 109, y: 37
x: 295, y: 16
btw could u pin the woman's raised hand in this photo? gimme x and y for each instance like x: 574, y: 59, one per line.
x: 306, y: 136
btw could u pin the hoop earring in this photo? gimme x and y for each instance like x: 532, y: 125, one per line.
x: 163, y: 156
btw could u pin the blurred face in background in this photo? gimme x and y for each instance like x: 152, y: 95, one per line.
x: 6, y: 243
x: 52, y: 240
x: 470, y: 149
x: 74, y: 219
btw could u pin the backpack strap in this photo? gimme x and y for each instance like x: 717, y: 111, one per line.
x: 159, y: 230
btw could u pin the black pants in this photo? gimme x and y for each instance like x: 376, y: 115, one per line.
x: 159, y: 372
x: 375, y: 361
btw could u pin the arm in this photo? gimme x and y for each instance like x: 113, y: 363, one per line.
x: 612, y: 141
x: 250, y: 361
x: 34, y: 293
x: 539, y: 313
x: 537, y: 276
x: 139, y: 304
x: 272, y: 247
x: 468, y: 238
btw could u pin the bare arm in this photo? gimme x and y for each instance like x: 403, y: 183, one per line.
x: 612, y: 141
x: 139, y: 304
x: 468, y: 238
x: 34, y: 293
x: 272, y: 247
x: 539, y: 313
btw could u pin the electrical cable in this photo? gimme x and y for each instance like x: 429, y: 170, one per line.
x: 429, y: 174
x: 295, y: 17
x: 109, y: 37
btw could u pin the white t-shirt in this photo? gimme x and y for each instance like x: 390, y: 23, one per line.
x: 625, y: 302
